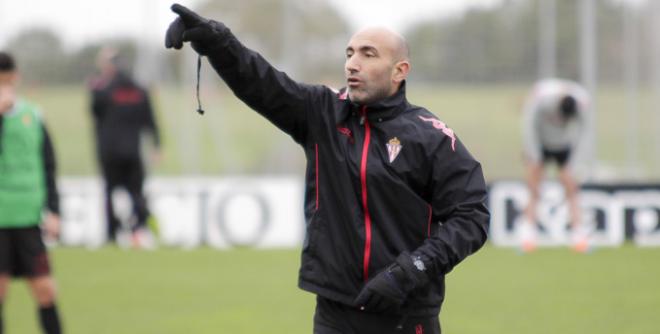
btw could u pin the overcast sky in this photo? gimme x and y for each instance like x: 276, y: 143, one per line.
x: 81, y: 21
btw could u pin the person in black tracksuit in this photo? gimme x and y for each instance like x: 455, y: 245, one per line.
x: 122, y: 111
x: 393, y: 199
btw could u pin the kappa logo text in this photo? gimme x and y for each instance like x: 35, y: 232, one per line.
x: 442, y: 127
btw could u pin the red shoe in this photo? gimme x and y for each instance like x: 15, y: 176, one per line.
x: 581, y: 245
x: 527, y: 237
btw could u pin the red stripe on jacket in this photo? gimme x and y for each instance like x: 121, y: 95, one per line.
x: 365, y: 206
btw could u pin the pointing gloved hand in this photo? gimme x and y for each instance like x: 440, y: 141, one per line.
x: 387, y: 291
x: 203, y: 34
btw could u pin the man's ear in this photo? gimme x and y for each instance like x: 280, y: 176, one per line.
x: 400, y: 71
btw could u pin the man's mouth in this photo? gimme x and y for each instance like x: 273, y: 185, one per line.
x: 353, y: 82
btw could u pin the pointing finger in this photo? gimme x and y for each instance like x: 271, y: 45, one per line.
x: 189, y: 18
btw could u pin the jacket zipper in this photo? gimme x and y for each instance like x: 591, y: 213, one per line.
x: 428, y: 228
x: 363, y: 183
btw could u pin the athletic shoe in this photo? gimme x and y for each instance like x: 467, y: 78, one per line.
x: 143, y: 239
x: 527, y: 237
x: 580, y: 239
x: 123, y: 239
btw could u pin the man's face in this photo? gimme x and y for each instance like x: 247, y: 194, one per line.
x: 370, y: 67
x: 105, y: 62
x: 7, y: 90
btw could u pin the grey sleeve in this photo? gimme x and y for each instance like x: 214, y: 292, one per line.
x: 531, y: 143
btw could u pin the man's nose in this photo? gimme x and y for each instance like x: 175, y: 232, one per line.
x: 352, y: 65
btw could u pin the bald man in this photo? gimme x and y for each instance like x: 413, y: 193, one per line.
x: 393, y: 200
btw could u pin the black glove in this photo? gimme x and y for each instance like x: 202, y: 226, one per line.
x: 387, y: 291
x: 203, y: 34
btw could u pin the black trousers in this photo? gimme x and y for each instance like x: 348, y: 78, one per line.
x: 129, y: 174
x: 335, y: 318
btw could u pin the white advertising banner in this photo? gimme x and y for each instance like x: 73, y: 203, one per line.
x: 82, y: 214
x: 261, y: 212
x: 610, y: 212
x: 266, y: 212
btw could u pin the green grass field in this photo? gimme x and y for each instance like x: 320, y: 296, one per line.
x: 250, y: 291
x: 231, y: 139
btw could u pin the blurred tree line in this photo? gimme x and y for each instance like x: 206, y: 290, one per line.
x: 498, y: 44
x: 306, y: 39
x: 43, y: 60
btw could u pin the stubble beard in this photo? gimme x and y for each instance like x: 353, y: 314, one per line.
x: 369, y: 96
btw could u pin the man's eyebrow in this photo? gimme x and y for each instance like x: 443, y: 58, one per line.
x: 367, y: 48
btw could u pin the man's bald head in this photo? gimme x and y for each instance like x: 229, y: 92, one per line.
x: 389, y: 39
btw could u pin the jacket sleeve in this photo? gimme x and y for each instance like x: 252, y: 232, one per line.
x: 150, y: 119
x: 270, y: 92
x: 97, y: 106
x: 459, y: 206
x: 48, y: 157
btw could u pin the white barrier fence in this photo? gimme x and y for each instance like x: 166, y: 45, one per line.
x: 261, y: 212
x: 612, y: 213
x: 266, y: 212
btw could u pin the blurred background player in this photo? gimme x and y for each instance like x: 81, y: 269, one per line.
x: 27, y: 185
x: 122, y: 113
x: 554, y: 129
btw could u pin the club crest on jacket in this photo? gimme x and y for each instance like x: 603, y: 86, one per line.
x: 393, y: 148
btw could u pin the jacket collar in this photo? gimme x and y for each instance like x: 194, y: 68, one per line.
x: 385, y: 109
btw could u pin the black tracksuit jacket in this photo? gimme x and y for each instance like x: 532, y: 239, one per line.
x: 364, y: 204
x: 121, y: 110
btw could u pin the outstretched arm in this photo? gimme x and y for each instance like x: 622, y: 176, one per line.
x: 256, y: 82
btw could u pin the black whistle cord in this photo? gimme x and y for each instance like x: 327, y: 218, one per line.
x: 199, y: 102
